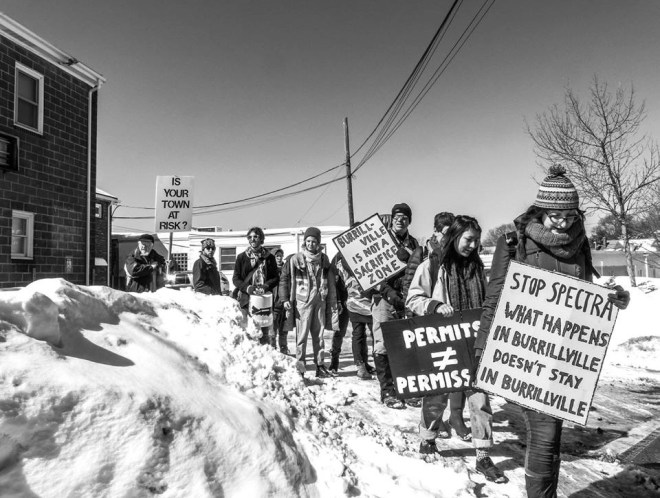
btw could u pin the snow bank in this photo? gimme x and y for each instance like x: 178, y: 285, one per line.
x: 105, y: 393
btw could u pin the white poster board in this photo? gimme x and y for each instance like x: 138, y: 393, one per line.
x: 370, y: 251
x: 547, y: 342
x: 174, y: 199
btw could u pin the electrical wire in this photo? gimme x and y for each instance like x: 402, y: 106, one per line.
x: 385, y: 135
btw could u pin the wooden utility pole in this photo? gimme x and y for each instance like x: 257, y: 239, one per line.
x: 349, y: 179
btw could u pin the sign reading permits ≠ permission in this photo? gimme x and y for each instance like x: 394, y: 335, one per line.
x: 174, y: 197
x: 370, y: 252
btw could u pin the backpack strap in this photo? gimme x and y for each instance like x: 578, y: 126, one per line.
x: 434, y: 267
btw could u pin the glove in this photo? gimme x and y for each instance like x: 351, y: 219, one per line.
x: 619, y: 298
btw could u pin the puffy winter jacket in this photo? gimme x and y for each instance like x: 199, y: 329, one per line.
x: 141, y: 274
x: 579, y: 265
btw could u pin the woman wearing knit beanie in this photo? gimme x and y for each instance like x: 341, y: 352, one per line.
x: 549, y: 235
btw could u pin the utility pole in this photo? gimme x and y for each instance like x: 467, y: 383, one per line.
x: 349, y: 179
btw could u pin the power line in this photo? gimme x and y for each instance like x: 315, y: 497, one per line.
x: 387, y: 134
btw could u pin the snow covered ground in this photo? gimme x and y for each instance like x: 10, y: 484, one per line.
x: 109, y: 394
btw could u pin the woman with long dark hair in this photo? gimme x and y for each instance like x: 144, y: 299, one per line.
x: 450, y: 280
x: 550, y: 234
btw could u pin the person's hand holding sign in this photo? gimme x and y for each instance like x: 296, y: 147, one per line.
x: 444, y: 310
x: 620, y: 298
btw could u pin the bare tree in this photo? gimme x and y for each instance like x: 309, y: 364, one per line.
x: 598, y: 141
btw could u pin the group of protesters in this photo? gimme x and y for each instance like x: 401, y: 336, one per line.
x: 443, y: 276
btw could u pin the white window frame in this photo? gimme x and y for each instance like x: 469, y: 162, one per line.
x: 222, y: 260
x: 20, y: 68
x: 98, y: 210
x: 29, y: 228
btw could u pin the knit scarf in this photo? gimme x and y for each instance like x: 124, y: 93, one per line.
x: 259, y: 275
x: 561, y: 245
x: 465, y: 291
x: 207, y: 260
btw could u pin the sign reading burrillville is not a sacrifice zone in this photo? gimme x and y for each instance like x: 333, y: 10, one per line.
x: 547, y: 342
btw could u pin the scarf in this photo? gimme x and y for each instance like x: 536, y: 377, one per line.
x: 207, y: 260
x: 466, y: 286
x: 561, y: 245
x: 259, y: 275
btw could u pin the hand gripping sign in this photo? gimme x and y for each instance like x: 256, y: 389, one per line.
x: 174, y: 203
x: 370, y: 252
x: 431, y: 354
x: 547, y: 342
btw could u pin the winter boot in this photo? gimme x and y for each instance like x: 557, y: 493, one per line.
x: 363, y: 373
x: 334, y: 362
x: 428, y: 447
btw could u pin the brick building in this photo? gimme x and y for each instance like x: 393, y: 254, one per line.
x: 48, y: 116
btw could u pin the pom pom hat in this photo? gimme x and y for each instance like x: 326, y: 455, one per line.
x: 208, y: 243
x: 557, y: 191
x: 313, y: 232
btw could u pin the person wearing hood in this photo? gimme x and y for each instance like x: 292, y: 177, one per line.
x: 145, y: 268
x: 206, y: 277
x: 307, y: 289
x: 550, y: 235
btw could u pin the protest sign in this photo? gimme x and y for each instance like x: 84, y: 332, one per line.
x: 431, y: 354
x: 547, y: 342
x: 174, y: 203
x: 370, y: 252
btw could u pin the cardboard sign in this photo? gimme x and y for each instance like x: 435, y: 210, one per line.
x: 431, y: 354
x: 174, y: 195
x: 547, y: 342
x: 369, y: 250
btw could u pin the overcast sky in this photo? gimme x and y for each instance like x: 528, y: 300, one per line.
x: 250, y: 96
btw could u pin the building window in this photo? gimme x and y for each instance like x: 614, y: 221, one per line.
x: 8, y: 152
x: 181, y: 260
x: 98, y: 210
x: 227, y: 258
x: 29, y: 99
x: 22, y: 234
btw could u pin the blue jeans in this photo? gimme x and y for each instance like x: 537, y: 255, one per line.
x: 542, y: 456
x: 481, y: 417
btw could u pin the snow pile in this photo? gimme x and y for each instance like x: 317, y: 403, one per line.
x: 104, y: 393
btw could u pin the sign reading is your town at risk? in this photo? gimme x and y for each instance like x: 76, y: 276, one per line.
x: 547, y: 342
x: 174, y: 198
x: 370, y: 252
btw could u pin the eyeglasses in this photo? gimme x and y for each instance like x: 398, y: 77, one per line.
x: 559, y: 217
x: 212, y: 249
x: 401, y: 218
x: 253, y: 237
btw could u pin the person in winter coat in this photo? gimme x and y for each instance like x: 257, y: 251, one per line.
x: 145, y: 268
x: 356, y: 308
x: 255, y: 272
x: 279, y: 314
x: 388, y: 304
x: 441, y: 223
x: 458, y: 283
x: 307, y: 289
x: 206, y: 277
x: 549, y: 235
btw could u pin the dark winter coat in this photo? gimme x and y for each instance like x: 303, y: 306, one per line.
x: 243, y: 272
x: 579, y: 265
x: 140, y: 273
x: 206, y: 278
x: 392, y: 290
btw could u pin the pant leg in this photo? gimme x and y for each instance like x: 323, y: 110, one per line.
x: 433, y: 407
x: 303, y: 324
x: 542, y: 456
x: 278, y: 327
x: 317, y: 326
x: 265, y: 338
x: 359, y: 342
x: 481, y: 419
x: 338, y: 336
x: 382, y: 312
